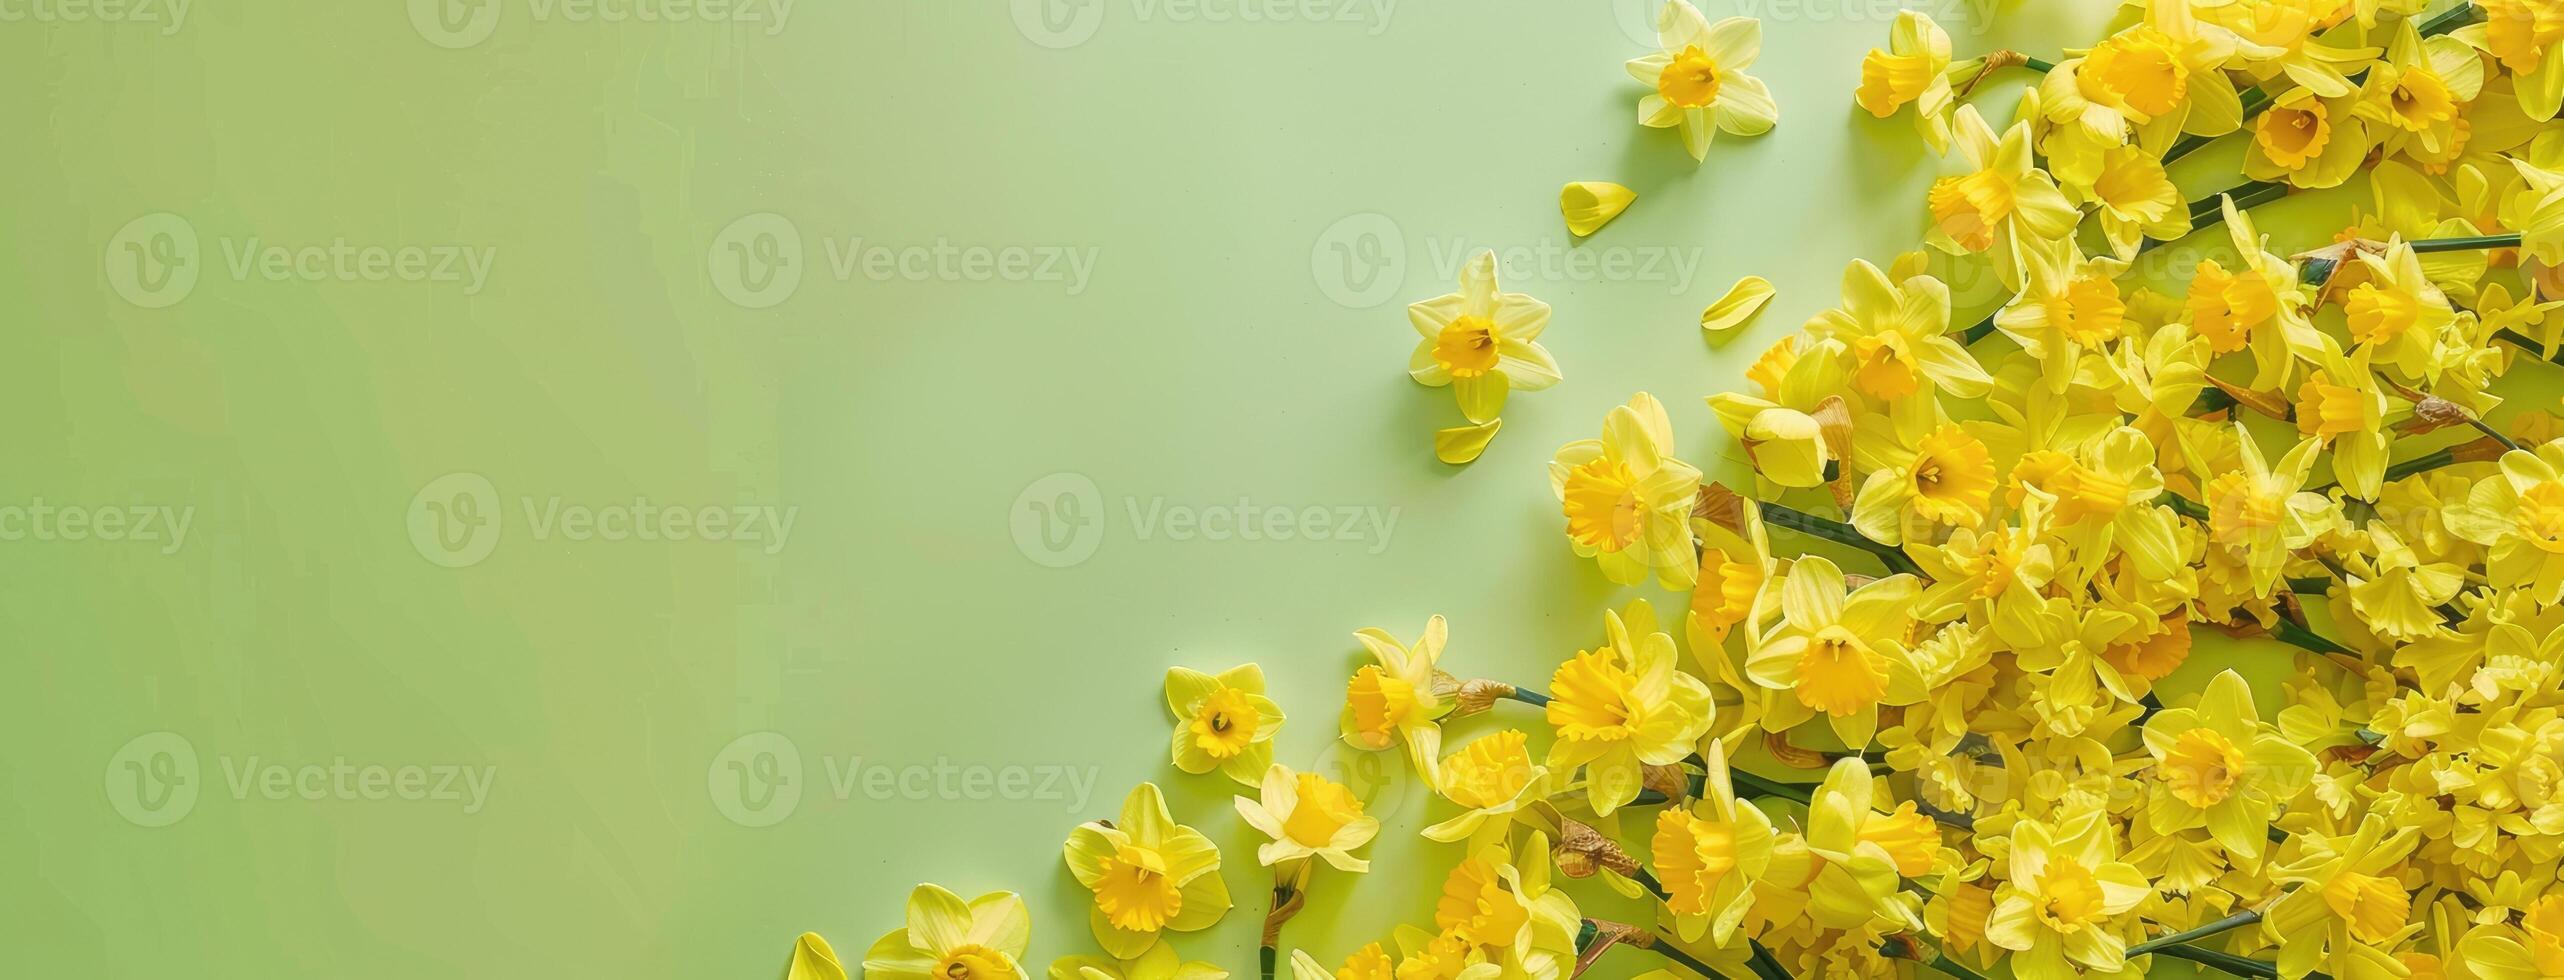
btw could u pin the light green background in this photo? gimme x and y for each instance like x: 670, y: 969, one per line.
x: 1201, y: 163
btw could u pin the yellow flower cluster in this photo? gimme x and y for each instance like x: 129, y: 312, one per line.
x: 1973, y: 565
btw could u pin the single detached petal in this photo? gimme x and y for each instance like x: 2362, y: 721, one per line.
x: 1742, y: 301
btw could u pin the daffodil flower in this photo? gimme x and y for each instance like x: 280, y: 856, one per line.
x: 2350, y: 906
x: 1368, y: 963
x: 1308, y: 815
x: 1895, y: 336
x: 2521, y: 35
x: 2164, y: 74
x: 1628, y: 500
x: 1921, y: 467
x: 2103, y: 496
x: 1913, y: 70
x: 2397, y: 315
x: 2419, y: 89
x: 2531, y: 950
x: 2261, y: 305
x: 1860, y: 855
x: 1148, y: 873
x: 2259, y: 512
x: 2217, y: 766
x: 1734, y: 588
x: 1500, y: 904
x: 2520, y: 517
x: 1161, y: 962
x: 2003, y: 207
x: 1699, y: 78
x: 949, y: 939
x: 1436, y: 956
x: 2134, y: 198
x: 1481, y: 341
x: 1398, y: 699
x: 2068, y: 304
x: 1708, y: 855
x: 1622, y: 707
x: 1839, y: 654
x: 1493, y: 777
x: 2055, y: 911
x: 1223, y: 722
x: 2340, y: 405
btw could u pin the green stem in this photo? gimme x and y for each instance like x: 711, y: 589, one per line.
x: 1747, y: 782
x: 1529, y: 697
x: 1765, y: 965
x: 1840, y: 533
x: 2526, y: 343
x: 1942, y: 963
x: 2037, y: 65
x: 2306, y: 639
x: 2235, y: 921
x: 2228, y: 962
x: 2255, y: 100
x: 2428, y: 245
x: 2185, y: 506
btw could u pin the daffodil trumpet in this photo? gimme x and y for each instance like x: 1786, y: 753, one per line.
x: 2255, y: 100
x: 1779, y: 515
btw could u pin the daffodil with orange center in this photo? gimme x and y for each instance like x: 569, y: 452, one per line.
x: 2100, y: 496
x: 1838, y: 654
x: 2259, y: 512
x: 2531, y: 950
x: 1699, y: 78
x: 2419, y: 91
x: 1621, y: 707
x: 2399, y: 317
x: 1398, y: 700
x: 1709, y: 854
x: 1481, y: 341
x: 2135, y: 199
x: 1930, y: 471
x: 1860, y: 855
x: 1148, y: 874
x: 2217, y: 766
x: 1499, y: 902
x: 2350, y: 906
x: 1628, y: 500
x: 2261, y: 305
x: 1896, y: 335
x: 1223, y: 722
x: 2057, y: 910
x: 1736, y: 572
x: 949, y: 939
x: 2069, y: 304
x: 2004, y: 206
x: 2308, y: 141
x: 2151, y: 76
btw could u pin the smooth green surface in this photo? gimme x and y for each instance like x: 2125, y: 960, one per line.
x: 1211, y: 172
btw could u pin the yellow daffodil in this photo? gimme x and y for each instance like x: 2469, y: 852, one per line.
x: 1839, y: 654
x: 2520, y: 517
x: 1482, y: 342
x: 1924, y: 470
x: 1435, y: 956
x: 1913, y: 70
x: 1492, y: 778
x: 2349, y: 907
x: 2419, y: 89
x: 1736, y: 573
x: 946, y: 938
x: 2068, y: 304
x: 1628, y: 500
x: 2522, y: 35
x: 2341, y: 406
x: 1787, y: 445
x: 2055, y: 909
x: 1699, y: 78
x: 1368, y: 963
x: 2002, y: 207
x: 2397, y: 314
x: 2103, y: 495
x: 1223, y: 722
x: 2217, y: 766
x: 1896, y: 337
x: 1620, y: 707
x: 1161, y: 962
x: 2135, y: 199
x: 1500, y: 904
x: 1860, y: 854
x: 2165, y: 72
x: 1398, y: 700
x: 2531, y: 950
x: 2261, y: 306
x: 2307, y: 140
x: 1308, y: 815
x: 1148, y: 874
x: 2259, y: 512
x: 1707, y: 856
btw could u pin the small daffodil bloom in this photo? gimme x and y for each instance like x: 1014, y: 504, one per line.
x: 1622, y: 707
x: 949, y: 939
x: 1708, y: 855
x: 1627, y: 499
x: 1914, y: 69
x: 2217, y: 766
x: 1161, y: 962
x: 1368, y: 963
x: 1308, y: 815
x: 1699, y: 78
x: 2056, y: 911
x: 1494, y: 777
x: 1481, y: 341
x: 1397, y: 699
x: 1148, y: 874
x: 1223, y: 722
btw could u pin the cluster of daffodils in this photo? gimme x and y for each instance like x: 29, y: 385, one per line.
x: 1931, y: 705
